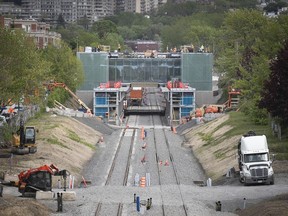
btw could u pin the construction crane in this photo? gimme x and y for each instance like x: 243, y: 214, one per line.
x: 52, y: 85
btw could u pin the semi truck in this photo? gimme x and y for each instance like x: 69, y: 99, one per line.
x: 254, y: 160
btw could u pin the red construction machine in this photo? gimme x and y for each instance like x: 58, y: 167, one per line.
x: 37, y: 179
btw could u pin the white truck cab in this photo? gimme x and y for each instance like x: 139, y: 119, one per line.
x: 254, y: 160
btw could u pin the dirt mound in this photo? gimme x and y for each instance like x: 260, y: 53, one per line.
x: 11, y: 206
x: 62, y: 141
x: 278, y: 206
x: 214, y: 152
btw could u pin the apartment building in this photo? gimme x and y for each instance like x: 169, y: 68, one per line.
x: 10, y: 9
x: 133, y: 6
x: 39, y: 31
x: 73, y: 10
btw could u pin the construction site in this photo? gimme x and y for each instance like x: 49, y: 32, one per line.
x: 86, y: 166
x: 134, y: 147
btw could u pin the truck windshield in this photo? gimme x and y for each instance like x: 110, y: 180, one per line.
x: 255, y: 157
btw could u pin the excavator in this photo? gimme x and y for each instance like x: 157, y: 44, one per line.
x: 52, y: 85
x: 24, y: 140
x: 37, y: 179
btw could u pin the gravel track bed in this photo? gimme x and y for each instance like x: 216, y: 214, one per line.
x: 187, y: 166
x: 97, y: 168
x: 198, y: 200
x: 118, y: 173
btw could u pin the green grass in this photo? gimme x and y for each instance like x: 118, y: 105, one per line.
x: 73, y: 136
x: 241, y: 124
x: 219, y: 154
x: 206, y: 138
x: 55, y: 141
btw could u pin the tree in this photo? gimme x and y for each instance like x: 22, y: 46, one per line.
x: 61, y: 21
x: 243, y: 51
x: 103, y: 27
x: 274, y: 94
x: 84, y: 22
x: 64, y: 68
x: 22, y: 68
x: 186, y: 31
x: 76, y: 35
x: 113, y: 40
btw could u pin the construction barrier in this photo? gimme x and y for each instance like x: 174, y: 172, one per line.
x: 84, y: 181
x: 174, y: 130
x: 71, y: 182
x: 148, y: 179
x: 166, y: 163
x: 143, y: 182
x: 142, y: 133
x: 136, y: 180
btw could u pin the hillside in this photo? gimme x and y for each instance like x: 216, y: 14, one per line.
x: 215, y: 145
x: 214, y: 152
x: 62, y: 141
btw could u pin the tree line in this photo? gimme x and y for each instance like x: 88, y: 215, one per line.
x: 25, y: 69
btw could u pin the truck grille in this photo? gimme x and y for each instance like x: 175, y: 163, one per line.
x: 261, y: 172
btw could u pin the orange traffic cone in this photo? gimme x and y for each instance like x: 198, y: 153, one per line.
x: 166, y: 163
x: 142, y: 182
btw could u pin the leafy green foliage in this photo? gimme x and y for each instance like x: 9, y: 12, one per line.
x: 103, y: 27
x: 76, y: 35
x: 65, y: 68
x: 246, y: 43
x: 20, y: 64
x: 184, y: 9
x: 276, y: 87
x: 130, y: 19
x: 186, y: 31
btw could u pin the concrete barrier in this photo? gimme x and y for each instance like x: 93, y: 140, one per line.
x: 44, y: 195
x: 68, y: 195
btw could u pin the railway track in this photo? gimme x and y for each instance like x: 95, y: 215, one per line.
x: 114, y: 162
x: 184, y: 207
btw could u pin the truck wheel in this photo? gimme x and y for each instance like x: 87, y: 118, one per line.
x: 245, y: 183
x: 241, y: 180
x: 272, y: 181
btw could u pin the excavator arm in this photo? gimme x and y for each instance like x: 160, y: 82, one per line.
x: 52, y: 85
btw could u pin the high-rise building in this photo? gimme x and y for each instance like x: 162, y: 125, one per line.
x: 73, y: 10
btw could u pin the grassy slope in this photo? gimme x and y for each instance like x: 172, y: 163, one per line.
x: 215, y: 143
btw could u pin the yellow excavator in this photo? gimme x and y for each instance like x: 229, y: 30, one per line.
x: 24, y: 140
